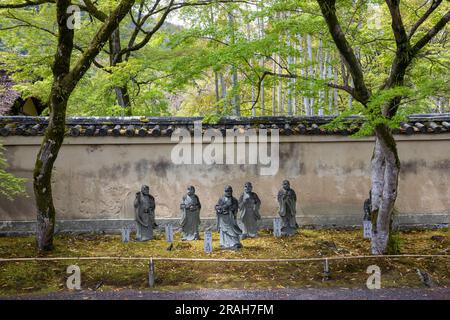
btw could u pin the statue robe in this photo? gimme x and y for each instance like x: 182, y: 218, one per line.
x: 190, y: 217
x: 144, y: 209
x: 287, y: 200
x: 249, y: 205
x: 230, y: 232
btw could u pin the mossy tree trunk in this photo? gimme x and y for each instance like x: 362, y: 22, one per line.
x: 54, y: 134
x: 385, y: 171
x: 65, y: 80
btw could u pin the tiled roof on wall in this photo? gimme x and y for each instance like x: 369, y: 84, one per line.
x: 164, y: 126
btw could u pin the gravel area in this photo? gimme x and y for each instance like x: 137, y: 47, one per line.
x: 440, y: 293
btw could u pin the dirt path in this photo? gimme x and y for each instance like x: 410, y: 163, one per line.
x: 275, y: 294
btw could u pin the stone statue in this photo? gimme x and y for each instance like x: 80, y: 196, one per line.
x: 249, y: 204
x: 226, y: 210
x: 368, y: 207
x: 190, y: 215
x: 287, y: 200
x: 144, y: 209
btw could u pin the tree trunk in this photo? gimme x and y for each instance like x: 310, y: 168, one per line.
x: 223, y: 90
x: 42, y: 174
x: 274, y: 86
x: 289, y: 85
x: 234, y: 73
x: 65, y: 80
x: 216, y: 86
x: 262, y: 62
x: 122, y: 96
x: 280, y: 88
x: 123, y: 99
x: 303, y: 74
x: 385, y: 171
x: 54, y: 135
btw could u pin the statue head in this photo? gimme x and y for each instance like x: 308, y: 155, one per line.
x: 228, y: 191
x: 145, y: 190
x: 286, y: 185
x: 248, y: 187
x: 191, y: 190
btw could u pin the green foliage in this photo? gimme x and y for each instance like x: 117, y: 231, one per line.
x: 175, y: 72
x: 394, y: 243
x: 10, y: 186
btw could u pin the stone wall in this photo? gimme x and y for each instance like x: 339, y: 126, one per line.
x: 96, y: 178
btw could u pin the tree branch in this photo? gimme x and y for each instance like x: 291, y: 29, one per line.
x: 10, y: 15
x: 92, y: 9
x: 150, y: 34
x: 97, y: 43
x: 328, y: 8
x: 430, y: 34
x: 26, y: 3
x: 397, y: 26
x: 425, y: 16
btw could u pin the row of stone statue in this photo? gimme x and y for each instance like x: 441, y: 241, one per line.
x: 226, y: 208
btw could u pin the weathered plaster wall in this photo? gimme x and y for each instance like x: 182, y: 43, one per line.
x: 97, y: 177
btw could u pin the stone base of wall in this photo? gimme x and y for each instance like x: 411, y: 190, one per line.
x: 113, y: 226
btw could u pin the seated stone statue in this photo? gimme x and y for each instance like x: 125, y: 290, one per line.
x: 287, y: 201
x: 249, y: 204
x: 190, y: 215
x: 144, y: 209
x: 368, y: 207
x: 226, y: 210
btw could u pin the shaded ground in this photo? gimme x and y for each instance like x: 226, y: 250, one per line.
x: 42, y: 277
x: 277, y: 294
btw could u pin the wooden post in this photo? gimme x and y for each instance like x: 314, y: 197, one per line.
x: 207, y: 245
x: 277, y: 227
x: 151, y: 274
x: 326, y: 270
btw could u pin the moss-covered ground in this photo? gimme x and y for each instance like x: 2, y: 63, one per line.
x: 49, y: 276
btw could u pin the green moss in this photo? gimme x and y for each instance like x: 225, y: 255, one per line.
x: 50, y: 276
x: 394, y: 243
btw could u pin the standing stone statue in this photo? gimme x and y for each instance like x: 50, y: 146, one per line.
x: 249, y: 205
x: 368, y: 207
x: 287, y: 201
x: 190, y: 215
x: 226, y: 210
x: 144, y: 209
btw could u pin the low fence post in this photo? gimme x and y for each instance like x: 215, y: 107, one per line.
x: 151, y: 274
x: 326, y: 270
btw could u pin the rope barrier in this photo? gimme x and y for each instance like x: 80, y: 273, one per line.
x: 227, y: 260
